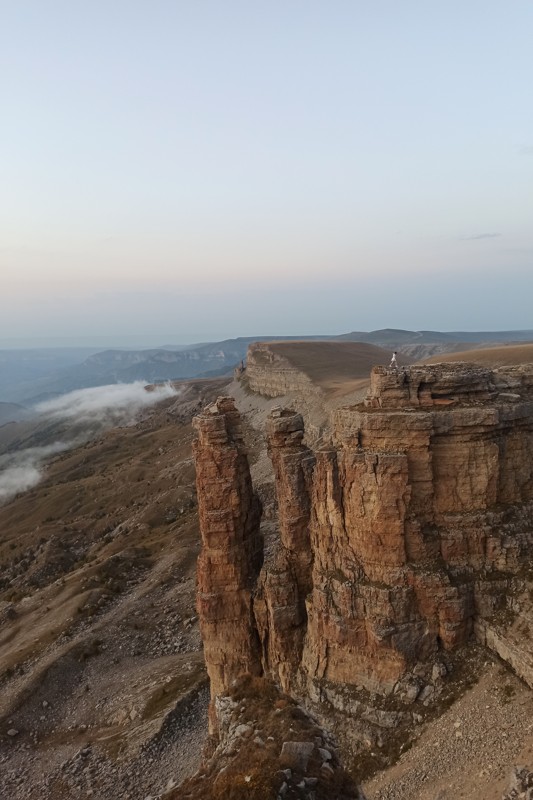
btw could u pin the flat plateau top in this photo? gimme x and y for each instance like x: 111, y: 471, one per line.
x: 343, y: 368
x: 505, y: 355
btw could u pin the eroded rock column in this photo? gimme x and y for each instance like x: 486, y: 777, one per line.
x: 231, y: 554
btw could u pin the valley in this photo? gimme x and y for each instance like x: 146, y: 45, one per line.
x: 104, y: 689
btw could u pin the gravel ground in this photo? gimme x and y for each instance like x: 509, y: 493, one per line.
x: 164, y: 762
x: 468, y: 752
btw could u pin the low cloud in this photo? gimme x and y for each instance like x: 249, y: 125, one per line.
x: 20, y: 471
x: 87, y: 412
x: 17, y: 479
x: 114, y: 403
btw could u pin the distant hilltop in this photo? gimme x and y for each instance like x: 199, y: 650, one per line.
x: 29, y: 376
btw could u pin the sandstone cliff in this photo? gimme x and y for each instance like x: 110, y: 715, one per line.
x: 231, y: 554
x: 396, y: 543
x: 312, y: 376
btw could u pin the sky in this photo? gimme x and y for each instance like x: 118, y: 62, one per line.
x: 188, y: 171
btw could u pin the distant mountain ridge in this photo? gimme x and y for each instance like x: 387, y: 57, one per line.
x: 27, y: 380
x: 393, y: 336
x: 12, y: 412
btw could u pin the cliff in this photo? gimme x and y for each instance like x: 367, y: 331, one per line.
x: 425, y: 504
x: 396, y: 544
x: 271, y: 373
x: 229, y: 562
x: 312, y: 376
x: 275, y: 369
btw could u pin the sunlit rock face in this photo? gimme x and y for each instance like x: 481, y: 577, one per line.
x: 396, y: 541
x: 231, y: 554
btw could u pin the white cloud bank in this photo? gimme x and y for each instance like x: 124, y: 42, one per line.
x: 17, y: 479
x: 98, y: 408
x: 20, y: 471
x: 105, y: 402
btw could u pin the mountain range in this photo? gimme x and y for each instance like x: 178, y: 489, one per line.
x: 30, y: 376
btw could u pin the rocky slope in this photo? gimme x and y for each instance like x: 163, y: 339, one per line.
x: 103, y: 688
x: 268, y: 747
x: 360, y: 591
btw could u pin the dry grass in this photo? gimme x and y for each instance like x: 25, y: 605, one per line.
x: 324, y: 361
x: 502, y: 356
x: 254, y: 772
x: 97, y: 567
x: 334, y: 364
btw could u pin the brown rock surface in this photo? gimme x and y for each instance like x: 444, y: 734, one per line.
x: 286, y: 576
x: 231, y: 554
x: 396, y: 541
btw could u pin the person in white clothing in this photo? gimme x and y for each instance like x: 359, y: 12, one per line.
x: 393, y: 363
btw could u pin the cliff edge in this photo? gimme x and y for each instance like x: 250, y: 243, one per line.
x: 406, y: 538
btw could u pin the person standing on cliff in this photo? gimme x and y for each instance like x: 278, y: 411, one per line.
x: 393, y: 363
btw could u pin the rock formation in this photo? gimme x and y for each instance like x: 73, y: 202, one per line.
x: 268, y: 747
x: 286, y: 580
x: 270, y: 373
x: 426, y: 508
x: 231, y: 554
x: 396, y: 543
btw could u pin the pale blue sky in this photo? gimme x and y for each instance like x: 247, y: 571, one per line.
x: 206, y: 169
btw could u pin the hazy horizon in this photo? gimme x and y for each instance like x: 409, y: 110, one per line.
x: 210, y: 170
x: 136, y: 341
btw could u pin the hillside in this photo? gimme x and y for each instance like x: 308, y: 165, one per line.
x: 393, y: 337
x: 506, y: 355
x: 103, y: 687
x: 28, y: 376
x: 331, y: 365
x: 12, y: 412
x: 101, y: 669
x: 26, y: 379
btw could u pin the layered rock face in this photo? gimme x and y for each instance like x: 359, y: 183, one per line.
x: 422, y: 513
x: 270, y: 373
x: 286, y: 579
x: 397, y: 541
x: 231, y: 553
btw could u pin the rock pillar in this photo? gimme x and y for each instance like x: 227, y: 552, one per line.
x: 231, y: 554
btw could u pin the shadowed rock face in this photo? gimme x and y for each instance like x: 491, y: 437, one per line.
x: 400, y: 539
x: 286, y: 578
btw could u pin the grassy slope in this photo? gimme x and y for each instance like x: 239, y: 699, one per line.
x: 505, y: 355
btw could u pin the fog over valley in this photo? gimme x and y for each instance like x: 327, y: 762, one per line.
x: 81, y: 414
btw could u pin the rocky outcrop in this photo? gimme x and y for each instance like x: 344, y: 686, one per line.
x: 231, y: 554
x: 520, y: 785
x: 268, y: 747
x: 270, y: 373
x: 395, y: 542
x: 510, y: 634
x: 426, y: 507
